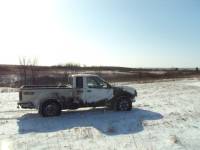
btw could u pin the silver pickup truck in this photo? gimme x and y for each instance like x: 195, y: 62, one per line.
x: 84, y: 90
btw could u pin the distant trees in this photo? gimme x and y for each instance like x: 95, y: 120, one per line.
x: 28, y: 70
x: 197, y: 69
x: 74, y: 67
x: 70, y: 68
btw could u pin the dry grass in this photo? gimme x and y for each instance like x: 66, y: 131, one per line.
x: 54, y: 75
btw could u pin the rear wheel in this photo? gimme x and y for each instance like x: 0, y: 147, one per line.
x: 50, y: 108
x: 124, y: 104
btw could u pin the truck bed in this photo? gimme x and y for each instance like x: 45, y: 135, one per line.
x: 35, y: 87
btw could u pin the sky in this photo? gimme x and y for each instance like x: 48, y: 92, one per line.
x: 127, y: 33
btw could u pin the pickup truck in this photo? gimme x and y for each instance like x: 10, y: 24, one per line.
x: 84, y: 90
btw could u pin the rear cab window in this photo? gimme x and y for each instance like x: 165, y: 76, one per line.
x: 79, y: 82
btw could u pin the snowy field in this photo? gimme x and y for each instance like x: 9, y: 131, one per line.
x: 165, y: 116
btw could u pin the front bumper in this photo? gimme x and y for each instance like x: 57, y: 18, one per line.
x: 133, y: 98
x: 136, y: 94
x: 25, y: 105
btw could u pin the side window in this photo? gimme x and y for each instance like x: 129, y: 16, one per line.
x: 101, y: 83
x: 79, y: 82
x: 91, y: 83
x: 94, y: 82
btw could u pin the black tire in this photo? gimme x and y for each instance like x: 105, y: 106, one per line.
x: 124, y: 104
x: 50, y: 109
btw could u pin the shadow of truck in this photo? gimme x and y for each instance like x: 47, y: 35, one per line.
x: 106, y: 121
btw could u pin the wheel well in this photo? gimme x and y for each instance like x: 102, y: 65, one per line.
x: 118, y: 97
x: 49, y: 100
x: 121, y: 96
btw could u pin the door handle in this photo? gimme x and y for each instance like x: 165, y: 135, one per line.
x: 89, y: 91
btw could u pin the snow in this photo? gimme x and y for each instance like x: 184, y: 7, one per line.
x: 7, y: 90
x: 166, y: 115
x: 193, y: 83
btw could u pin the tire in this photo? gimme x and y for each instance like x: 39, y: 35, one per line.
x: 124, y: 104
x: 50, y: 109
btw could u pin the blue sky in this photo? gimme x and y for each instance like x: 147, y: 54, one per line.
x: 131, y: 33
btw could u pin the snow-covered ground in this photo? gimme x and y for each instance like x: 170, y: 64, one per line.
x: 165, y: 116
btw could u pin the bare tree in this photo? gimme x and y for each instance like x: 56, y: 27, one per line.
x: 33, y: 69
x: 74, y: 67
x: 23, y: 70
x: 28, y: 70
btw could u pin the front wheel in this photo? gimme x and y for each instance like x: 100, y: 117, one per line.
x: 50, y: 108
x: 124, y: 104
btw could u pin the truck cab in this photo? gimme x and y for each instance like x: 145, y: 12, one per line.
x: 91, y: 88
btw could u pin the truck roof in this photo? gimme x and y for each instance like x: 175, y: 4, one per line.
x: 83, y: 75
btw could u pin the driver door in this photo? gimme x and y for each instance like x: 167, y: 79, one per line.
x: 97, y: 90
